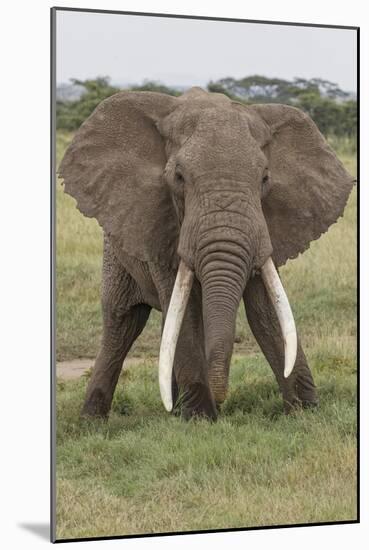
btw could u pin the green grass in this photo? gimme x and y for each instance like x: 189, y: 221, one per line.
x: 145, y: 471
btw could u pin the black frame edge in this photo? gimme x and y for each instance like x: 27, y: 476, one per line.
x: 206, y: 18
x: 210, y: 531
x: 52, y: 274
x: 358, y: 269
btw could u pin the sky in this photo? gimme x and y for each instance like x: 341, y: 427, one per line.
x: 131, y: 49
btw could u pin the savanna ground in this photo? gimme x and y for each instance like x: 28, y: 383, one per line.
x: 145, y: 471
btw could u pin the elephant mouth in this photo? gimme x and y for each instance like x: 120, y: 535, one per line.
x: 177, y: 307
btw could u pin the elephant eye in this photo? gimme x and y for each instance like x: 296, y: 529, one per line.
x: 179, y: 177
x: 265, y: 184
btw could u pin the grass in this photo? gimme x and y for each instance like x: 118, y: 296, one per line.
x: 145, y: 471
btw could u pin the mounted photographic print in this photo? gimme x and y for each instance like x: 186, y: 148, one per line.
x: 205, y: 274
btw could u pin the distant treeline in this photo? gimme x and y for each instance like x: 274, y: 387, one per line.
x: 332, y: 109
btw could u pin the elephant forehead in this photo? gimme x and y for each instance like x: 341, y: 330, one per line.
x: 199, y: 115
x: 197, y: 94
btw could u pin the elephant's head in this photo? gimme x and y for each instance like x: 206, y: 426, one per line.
x: 213, y: 186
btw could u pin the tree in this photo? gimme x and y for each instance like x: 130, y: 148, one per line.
x: 153, y: 86
x: 71, y: 114
x: 329, y: 106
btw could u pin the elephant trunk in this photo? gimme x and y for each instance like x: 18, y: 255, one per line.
x: 223, y: 272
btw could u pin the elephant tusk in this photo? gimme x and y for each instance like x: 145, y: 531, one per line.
x: 173, y: 321
x: 282, y: 307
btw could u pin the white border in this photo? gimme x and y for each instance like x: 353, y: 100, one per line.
x: 25, y: 266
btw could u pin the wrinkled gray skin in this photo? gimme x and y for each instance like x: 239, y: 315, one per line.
x: 221, y: 186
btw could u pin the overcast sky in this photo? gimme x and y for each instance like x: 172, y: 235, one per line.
x: 186, y: 52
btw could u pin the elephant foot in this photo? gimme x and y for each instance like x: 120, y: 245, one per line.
x: 291, y: 405
x: 300, y: 394
x: 306, y: 390
x: 96, y: 406
x: 297, y: 404
x: 310, y: 404
x: 197, y: 402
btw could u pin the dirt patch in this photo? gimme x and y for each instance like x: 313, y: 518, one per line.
x: 71, y: 370
x: 75, y: 368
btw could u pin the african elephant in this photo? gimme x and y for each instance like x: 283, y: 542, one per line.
x: 200, y: 199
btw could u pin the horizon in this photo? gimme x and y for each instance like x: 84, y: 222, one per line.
x: 179, y: 86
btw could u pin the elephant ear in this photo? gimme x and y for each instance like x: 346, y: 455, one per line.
x: 309, y: 185
x: 114, y: 167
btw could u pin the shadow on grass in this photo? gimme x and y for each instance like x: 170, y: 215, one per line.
x: 262, y: 399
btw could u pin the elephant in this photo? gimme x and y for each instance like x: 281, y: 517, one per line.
x: 201, y: 199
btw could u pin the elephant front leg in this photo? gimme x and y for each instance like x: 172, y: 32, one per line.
x: 119, y: 333
x: 192, y: 396
x: 190, y: 380
x: 191, y: 393
x: 299, y: 388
